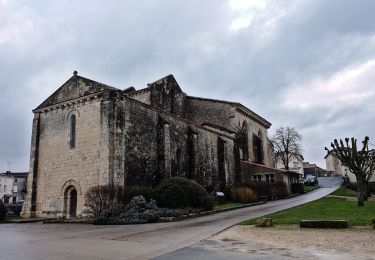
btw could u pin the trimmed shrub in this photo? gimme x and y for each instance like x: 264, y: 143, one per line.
x: 147, y: 192
x: 243, y: 194
x: 180, y: 192
x: 297, y: 188
x: 228, y: 193
x: 264, y: 222
x: 103, y: 197
x: 261, y: 188
x: 279, y: 189
x: 2, y: 210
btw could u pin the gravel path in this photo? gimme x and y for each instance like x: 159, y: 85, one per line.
x: 294, y: 242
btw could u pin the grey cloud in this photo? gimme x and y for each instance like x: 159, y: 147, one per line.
x: 124, y: 43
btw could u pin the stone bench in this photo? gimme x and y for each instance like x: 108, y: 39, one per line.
x: 323, y: 224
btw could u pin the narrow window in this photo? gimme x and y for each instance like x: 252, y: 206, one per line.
x: 270, y: 178
x: 257, y: 177
x: 73, y: 131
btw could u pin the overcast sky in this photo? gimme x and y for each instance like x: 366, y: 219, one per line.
x: 307, y: 64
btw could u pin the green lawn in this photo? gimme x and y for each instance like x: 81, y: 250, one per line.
x: 325, y: 209
x: 227, y: 205
x: 344, y: 192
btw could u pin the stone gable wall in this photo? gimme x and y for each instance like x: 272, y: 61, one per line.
x: 203, y: 111
x: 58, y: 163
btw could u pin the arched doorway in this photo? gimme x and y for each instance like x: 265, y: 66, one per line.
x: 73, y: 203
x: 70, y: 202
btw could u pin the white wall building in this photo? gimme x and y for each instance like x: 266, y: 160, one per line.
x: 295, y: 164
x: 333, y: 164
x: 13, y: 186
x: 6, y: 187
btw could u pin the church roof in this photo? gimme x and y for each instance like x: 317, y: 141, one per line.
x: 78, y: 86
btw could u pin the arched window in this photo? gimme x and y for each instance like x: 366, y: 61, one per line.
x: 258, y: 148
x: 73, y: 131
x: 242, y: 141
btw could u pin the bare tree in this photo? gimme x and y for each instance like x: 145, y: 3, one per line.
x: 286, y: 144
x: 360, y: 162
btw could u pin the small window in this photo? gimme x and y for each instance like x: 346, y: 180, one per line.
x: 270, y: 178
x: 73, y: 131
x: 257, y: 177
x: 5, y: 188
x: 15, y: 180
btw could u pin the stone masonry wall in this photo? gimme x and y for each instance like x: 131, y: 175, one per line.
x: 203, y: 111
x: 59, y: 164
x: 160, y: 145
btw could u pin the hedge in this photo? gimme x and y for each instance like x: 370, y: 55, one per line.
x: 297, y: 188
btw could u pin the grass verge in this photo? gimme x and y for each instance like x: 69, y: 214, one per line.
x: 227, y: 205
x: 309, y: 188
x: 344, y: 192
x: 325, y: 209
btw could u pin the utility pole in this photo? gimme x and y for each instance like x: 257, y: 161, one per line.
x: 9, y: 164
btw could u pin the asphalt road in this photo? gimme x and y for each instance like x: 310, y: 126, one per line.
x: 80, y: 241
x: 203, y: 250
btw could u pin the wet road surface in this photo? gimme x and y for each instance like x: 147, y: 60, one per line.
x: 82, y: 241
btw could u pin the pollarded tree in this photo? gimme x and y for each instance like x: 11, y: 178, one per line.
x: 286, y: 144
x: 360, y: 162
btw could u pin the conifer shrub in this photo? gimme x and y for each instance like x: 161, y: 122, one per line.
x: 180, y: 192
x: 228, y: 193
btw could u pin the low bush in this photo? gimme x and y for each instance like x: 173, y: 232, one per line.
x: 2, y: 210
x: 261, y: 188
x: 243, y: 194
x: 103, y: 197
x: 264, y: 222
x: 180, y: 192
x: 147, y: 192
x: 137, y: 211
x: 297, y: 188
x: 279, y: 189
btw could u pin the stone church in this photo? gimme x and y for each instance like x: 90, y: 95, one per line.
x: 88, y: 133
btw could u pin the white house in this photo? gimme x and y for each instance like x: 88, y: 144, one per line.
x: 334, y: 165
x: 295, y: 164
x: 6, y: 187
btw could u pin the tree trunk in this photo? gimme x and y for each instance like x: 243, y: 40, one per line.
x: 360, y: 190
